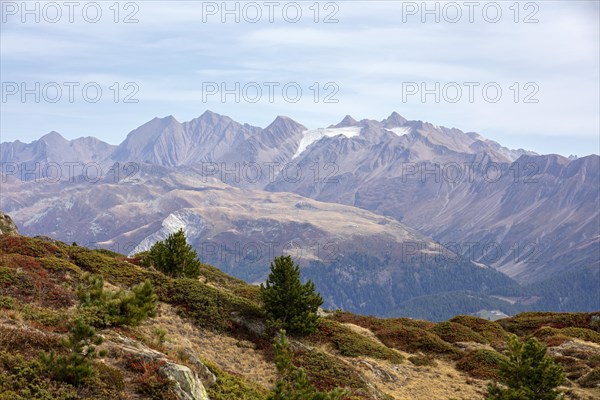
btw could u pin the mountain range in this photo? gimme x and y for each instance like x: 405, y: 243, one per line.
x: 387, y: 217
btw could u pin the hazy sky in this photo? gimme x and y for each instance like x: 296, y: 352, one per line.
x: 525, y: 75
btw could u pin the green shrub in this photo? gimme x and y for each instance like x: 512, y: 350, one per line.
x: 110, y: 253
x: 229, y: 386
x: 199, y: 302
x: 327, y: 372
x: 292, y: 382
x: 492, y: 331
x: 113, y: 308
x: 353, y: 344
x: 49, y: 319
x: 481, y: 364
x: 422, y: 361
x: 551, y: 336
x: 7, y: 276
x: 453, y: 332
x: 115, y: 271
x: 22, y: 379
x: 110, y: 376
x: 207, y: 306
x: 582, y: 333
x: 227, y: 283
x: 528, y: 322
x: 404, y: 334
x: 55, y: 264
x: 75, y: 367
x: 412, y: 339
x: 7, y: 302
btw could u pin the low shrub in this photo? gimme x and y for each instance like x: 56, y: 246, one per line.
x: 412, y: 339
x: 27, y: 246
x: 528, y: 322
x: 492, y: 331
x: 453, y: 332
x: 110, y: 376
x: 76, y: 366
x: 481, y: 364
x: 26, y: 341
x: 148, y: 380
x: 230, y: 386
x: 23, y: 277
x: 352, y: 344
x: 582, y: 333
x: 7, y: 302
x: 422, y: 361
x: 22, y: 379
x: 104, y: 308
x: 404, y: 334
x: 327, y: 372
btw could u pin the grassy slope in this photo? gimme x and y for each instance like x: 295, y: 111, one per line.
x: 213, y: 318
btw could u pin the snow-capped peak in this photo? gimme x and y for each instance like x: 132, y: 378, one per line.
x: 314, y: 135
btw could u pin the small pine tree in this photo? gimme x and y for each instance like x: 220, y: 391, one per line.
x: 292, y: 382
x: 139, y: 305
x: 529, y: 373
x: 112, y: 308
x: 174, y: 257
x: 75, y: 367
x: 290, y: 304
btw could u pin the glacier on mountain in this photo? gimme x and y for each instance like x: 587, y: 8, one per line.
x: 313, y: 135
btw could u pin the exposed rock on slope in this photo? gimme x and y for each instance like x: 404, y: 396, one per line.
x: 186, y: 384
x: 7, y: 226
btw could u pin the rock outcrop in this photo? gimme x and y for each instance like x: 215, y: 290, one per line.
x: 7, y: 226
x: 187, y: 384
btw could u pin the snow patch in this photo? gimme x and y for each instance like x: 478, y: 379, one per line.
x: 69, y: 204
x: 400, y: 131
x: 314, y: 135
x: 96, y: 228
x: 191, y: 223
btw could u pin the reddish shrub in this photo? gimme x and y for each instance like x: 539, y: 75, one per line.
x: 29, y: 282
x: 27, y: 246
x: 148, y: 379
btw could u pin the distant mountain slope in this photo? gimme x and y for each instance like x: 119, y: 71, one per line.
x: 52, y: 156
x: 528, y: 215
x: 211, y: 138
x: 533, y: 217
x: 360, y: 260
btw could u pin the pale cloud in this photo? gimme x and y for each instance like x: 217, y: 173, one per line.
x: 369, y: 54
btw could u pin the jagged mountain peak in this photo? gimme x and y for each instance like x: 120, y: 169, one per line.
x: 154, y: 124
x: 284, y: 123
x: 212, y: 117
x: 53, y: 137
x: 346, y: 122
x: 395, y: 120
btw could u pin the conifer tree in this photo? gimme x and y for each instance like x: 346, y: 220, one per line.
x: 529, y: 373
x: 174, y: 257
x: 76, y: 366
x: 103, y: 308
x: 292, y: 383
x: 139, y: 304
x: 290, y: 304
